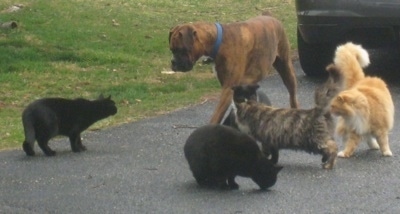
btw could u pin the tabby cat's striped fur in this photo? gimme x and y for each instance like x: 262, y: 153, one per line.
x: 299, y: 129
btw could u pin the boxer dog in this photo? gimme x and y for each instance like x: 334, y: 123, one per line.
x: 243, y: 53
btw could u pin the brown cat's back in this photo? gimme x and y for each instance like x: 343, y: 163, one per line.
x: 379, y: 99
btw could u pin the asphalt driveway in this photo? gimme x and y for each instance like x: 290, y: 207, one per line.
x: 140, y: 168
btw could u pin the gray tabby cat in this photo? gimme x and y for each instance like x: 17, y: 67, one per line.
x: 309, y: 130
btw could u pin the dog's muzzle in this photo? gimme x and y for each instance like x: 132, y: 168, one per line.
x: 183, y: 65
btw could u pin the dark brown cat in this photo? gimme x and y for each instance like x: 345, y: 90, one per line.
x: 299, y: 129
x: 46, y: 118
x: 217, y: 154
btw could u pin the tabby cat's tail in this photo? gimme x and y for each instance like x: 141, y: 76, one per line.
x: 326, y: 92
x: 351, y: 59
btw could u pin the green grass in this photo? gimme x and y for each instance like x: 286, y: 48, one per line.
x: 84, y: 48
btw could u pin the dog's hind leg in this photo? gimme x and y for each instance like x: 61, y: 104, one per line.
x: 286, y: 71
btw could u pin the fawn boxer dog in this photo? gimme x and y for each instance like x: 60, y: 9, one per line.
x: 243, y: 53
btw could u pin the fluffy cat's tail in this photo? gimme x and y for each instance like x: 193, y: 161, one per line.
x: 351, y: 59
x: 325, y: 93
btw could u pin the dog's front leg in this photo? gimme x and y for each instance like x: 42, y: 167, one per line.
x: 224, y: 102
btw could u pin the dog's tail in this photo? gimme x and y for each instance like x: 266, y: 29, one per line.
x: 351, y: 59
x: 325, y: 93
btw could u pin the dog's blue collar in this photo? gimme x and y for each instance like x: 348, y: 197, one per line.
x: 218, y: 41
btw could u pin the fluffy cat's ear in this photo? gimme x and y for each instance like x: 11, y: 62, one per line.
x: 340, y: 98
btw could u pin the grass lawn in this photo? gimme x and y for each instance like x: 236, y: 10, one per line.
x: 81, y: 48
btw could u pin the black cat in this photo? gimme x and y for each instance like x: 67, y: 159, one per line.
x: 217, y: 154
x: 46, y: 118
x: 260, y: 97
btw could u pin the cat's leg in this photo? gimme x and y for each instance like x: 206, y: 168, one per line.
x: 274, y: 154
x: 220, y: 182
x: 76, y: 143
x: 271, y: 152
x: 201, y: 179
x: 371, y: 141
x: 231, y: 183
x: 383, y: 141
x: 44, y: 145
x: 351, y: 140
x: 329, y: 154
x: 266, y: 151
x: 30, y: 136
x: 28, y: 148
x: 80, y: 145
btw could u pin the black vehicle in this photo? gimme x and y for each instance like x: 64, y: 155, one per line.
x: 324, y: 24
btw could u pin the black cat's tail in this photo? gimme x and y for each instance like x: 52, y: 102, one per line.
x: 29, y: 131
x: 326, y: 92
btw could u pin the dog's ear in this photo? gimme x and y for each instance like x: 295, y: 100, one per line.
x: 171, y: 31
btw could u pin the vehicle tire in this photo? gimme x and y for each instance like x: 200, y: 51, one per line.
x: 314, y: 57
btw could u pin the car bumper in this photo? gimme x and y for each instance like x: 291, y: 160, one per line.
x: 325, y: 21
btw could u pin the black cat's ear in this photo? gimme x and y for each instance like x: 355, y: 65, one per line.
x: 254, y: 86
x: 278, y: 168
x: 109, y: 97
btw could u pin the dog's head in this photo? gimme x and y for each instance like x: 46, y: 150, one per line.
x: 184, y: 44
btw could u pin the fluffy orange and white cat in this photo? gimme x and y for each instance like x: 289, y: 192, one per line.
x: 365, y: 109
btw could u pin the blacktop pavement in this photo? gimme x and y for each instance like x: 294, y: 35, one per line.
x: 140, y: 168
